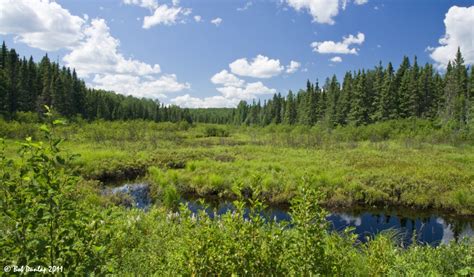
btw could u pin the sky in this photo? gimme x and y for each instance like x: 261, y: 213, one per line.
x: 215, y: 53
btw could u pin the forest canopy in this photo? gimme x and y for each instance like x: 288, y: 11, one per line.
x: 363, y: 97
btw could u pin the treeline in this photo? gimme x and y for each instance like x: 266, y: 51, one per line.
x: 369, y: 96
x: 26, y: 86
x: 363, y: 97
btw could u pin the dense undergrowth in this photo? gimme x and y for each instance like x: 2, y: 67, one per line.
x: 51, y: 217
x: 410, y: 163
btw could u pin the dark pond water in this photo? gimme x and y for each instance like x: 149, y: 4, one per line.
x: 428, y: 228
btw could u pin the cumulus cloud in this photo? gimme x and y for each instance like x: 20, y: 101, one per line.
x: 149, y: 4
x: 292, y: 67
x: 336, y: 59
x: 187, y: 101
x: 197, y: 18
x: 217, y: 21
x: 139, y: 86
x: 98, y: 56
x: 250, y: 91
x: 259, y: 67
x: 230, y: 96
x: 165, y: 15
x: 161, y: 14
x: 459, y: 33
x: 322, y: 11
x: 227, y: 79
x: 361, y: 2
x: 245, y: 7
x: 343, y: 47
x: 98, y: 53
x: 40, y: 24
x: 233, y: 89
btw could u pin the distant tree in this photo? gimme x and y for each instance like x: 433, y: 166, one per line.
x: 290, y: 110
x: 360, y: 105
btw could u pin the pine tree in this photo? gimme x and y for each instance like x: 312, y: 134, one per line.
x: 377, y: 91
x: 427, y: 103
x: 333, y: 91
x: 3, y: 56
x: 387, y: 108
x: 12, y: 72
x: 44, y: 84
x: 24, y: 97
x: 344, y: 105
x: 360, y: 105
x: 462, y: 93
x: 290, y: 110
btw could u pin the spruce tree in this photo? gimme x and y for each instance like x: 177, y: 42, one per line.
x: 344, y: 104
x: 290, y: 110
x: 360, y: 105
x: 387, y: 108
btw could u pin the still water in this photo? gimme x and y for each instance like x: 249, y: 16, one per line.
x: 427, y: 228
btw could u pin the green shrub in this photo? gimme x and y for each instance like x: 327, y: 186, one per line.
x: 213, y: 131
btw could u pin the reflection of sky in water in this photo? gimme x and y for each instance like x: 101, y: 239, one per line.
x: 432, y: 230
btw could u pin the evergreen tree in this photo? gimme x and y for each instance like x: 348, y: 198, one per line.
x: 290, y: 110
x: 387, y: 108
x: 360, y: 105
x: 344, y: 105
x: 12, y: 71
x: 333, y: 91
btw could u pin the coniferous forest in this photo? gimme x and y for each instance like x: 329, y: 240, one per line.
x: 363, y: 97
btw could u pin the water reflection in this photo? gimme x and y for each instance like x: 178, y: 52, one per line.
x: 425, y: 228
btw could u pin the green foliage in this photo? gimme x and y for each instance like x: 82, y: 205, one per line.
x: 50, y: 217
x: 42, y: 221
x: 214, y: 131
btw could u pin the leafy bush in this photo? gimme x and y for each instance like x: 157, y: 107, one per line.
x: 43, y: 224
x: 213, y: 131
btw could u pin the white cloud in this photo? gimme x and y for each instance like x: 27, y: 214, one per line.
x: 459, y: 22
x: 217, y: 21
x: 292, y: 67
x: 165, y: 15
x: 322, y: 11
x: 245, y: 7
x: 230, y: 97
x: 227, y: 79
x: 148, y: 4
x: 197, y: 18
x: 98, y: 56
x: 250, y: 91
x: 260, y: 67
x: 40, y: 24
x: 161, y: 14
x: 187, y: 101
x: 98, y: 53
x: 139, y: 86
x: 361, y: 2
x: 336, y: 59
x: 233, y: 90
x: 331, y: 47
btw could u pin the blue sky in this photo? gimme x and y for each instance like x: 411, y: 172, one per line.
x: 209, y: 53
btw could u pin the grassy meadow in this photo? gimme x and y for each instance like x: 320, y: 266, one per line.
x: 387, y: 164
